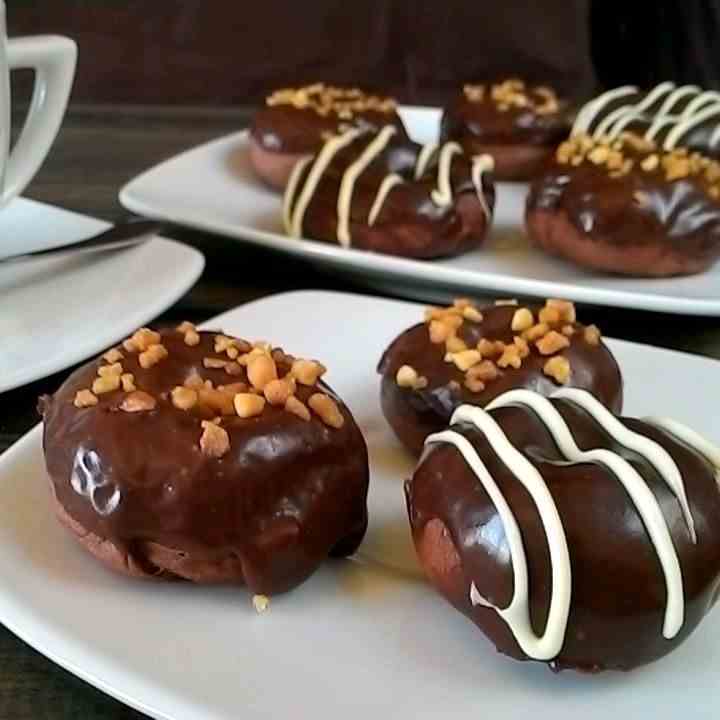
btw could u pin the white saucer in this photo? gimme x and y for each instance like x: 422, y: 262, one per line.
x: 213, y: 188
x: 56, y: 312
x: 360, y: 639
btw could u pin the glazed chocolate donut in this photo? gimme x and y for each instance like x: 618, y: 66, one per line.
x: 383, y: 193
x: 186, y: 454
x: 668, y: 115
x: 518, y: 126
x: 464, y: 354
x: 295, y: 122
x: 624, y: 207
x: 568, y: 535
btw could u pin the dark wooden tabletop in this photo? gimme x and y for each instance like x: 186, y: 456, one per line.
x: 98, y: 150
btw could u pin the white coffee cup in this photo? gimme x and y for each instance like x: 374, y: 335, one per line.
x: 53, y: 59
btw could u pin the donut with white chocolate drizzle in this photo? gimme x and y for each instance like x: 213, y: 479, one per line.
x: 569, y: 535
x: 668, y: 115
x: 381, y: 192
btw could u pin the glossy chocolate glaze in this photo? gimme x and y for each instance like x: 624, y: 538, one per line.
x: 480, y: 123
x: 287, y: 494
x: 641, y: 209
x: 415, y: 414
x: 410, y: 223
x: 287, y: 129
x: 618, y: 589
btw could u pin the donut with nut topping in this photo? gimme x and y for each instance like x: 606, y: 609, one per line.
x: 518, y: 124
x: 465, y: 354
x: 201, y: 456
x: 628, y: 206
x: 295, y: 122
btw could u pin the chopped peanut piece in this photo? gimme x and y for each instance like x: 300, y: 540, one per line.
x: 215, y: 441
x: 138, y: 401
x: 406, y: 376
x: 522, y: 320
x: 439, y: 331
x: 510, y: 357
x: 233, y: 368
x: 192, y: 338
x: 84, y: 399
x: 194, y: 381
x: 536, y: 332
x: 152, y: 356
x: 142, y: 340
x: 522, y: 346
x: 184, y: 398
x: 558, y: 368
x: 464, y: 359
x: 185, y: 327
x: 455, y: 344
x: 552, y: 342
x: 278, y: 391
x: 488, y: 348
x: 128, y: 382
x: 108, y: 370
x: 233, y: 388
x: 485, y: 371
x: 248, y: 405
x: 216, y: 400
x: 568, y: 330
x: 261, y: 603
x: 592, y: 335
x: 650, y: 163
x: 106, y: 384
x: 307, y: 372
x: 326, y: 408
x: 472, y: 313
x: 501, y: 303
x: 564, y: 307
x: 214, y: 363
x: 297, y: 407
x: 232, y: 353
x: 113, y: 355
x: 261, y: 370
x: 549, y: 316
x: 474, y: 385
x: 223, y: 343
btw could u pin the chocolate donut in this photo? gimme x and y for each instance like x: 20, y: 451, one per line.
x: 626, y: 207
x: 194, y: 455
x: 295, y: 122
x: 384, y: 193
x: 668, y: 115
x: 568, y: 535
x: 517, y: 125
x: 464, y: 354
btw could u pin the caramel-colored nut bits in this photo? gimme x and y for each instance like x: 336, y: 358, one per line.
x: 558, y: 368
x: 215, y: 441
x: 297, y: 407
x: 184, y: 398
x: 113, y: 355
x: 327, y: 410
x: 152, y: 356
x: 106, y: 384
x: 522, y: 320
x: 109, y: 370
x: 261, y: 369
x: 128, y: 382
x: 278, y: 391
x: 248, y: 405
x: 307, y: 372
x: 464, y: 359
x: 84, y: 399
x: 552, y: 342
x: 138, y: 401
x: 592, y: 335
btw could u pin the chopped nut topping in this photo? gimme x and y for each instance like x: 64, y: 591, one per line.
x: 128, y: 382
x: 113, y: 355
x: 489, y: 348
x: 152, y: 356
x: 522, y: 320
x: 551, y: 343
x: 650, y: 163
x: 191, y: 338
x: 138, y: 401
x: 558, y: 368
x: 486, y: 371
x: 549, y: 316
x: 455, y: 344
x: 502, y: 303
x: 510, y: 357
x: 297, y: 407
x: 108, y: 370
x: 141, y: 340
x: 184, y: 398
x: 522, y: 346
x: 326, y: 409
x: 307, y: 372
x: 194, y: 381
x: 568, y: 330
x: 408, y: 377
x: 217, y: 400
x: 215, y: 441
x: 464, y: 359
x: 248, y: 405
x: 278, y: 391
x: 599, y: 155
x: 233, y: 368
x: 222, y: 343
x: 261, y: 370
x: 185, y: 327
x: 536, y: 331
x: 327, y: 99
x: 214, y: 363
x: 84, y: 399
x: 261, y: 603
x: 233, y: 388
x: 564, y: 307
x: 439, y: 331
x: 473, y: 384
x: 232, y: 352
x: 106, y: 384
x: 592, y: 335
x: 472, y: 313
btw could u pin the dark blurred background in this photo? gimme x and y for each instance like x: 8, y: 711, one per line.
x: 231, y: 52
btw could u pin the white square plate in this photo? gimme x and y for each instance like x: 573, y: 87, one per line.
x: 361, y: 639
x: 57, y: 311
x: 213, y: 188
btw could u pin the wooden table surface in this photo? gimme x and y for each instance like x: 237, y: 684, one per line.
x: 98, y: 150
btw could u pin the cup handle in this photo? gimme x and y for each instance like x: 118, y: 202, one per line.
x: 53, y: 58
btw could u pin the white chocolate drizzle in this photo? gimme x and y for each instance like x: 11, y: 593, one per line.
x: 480, y: 165
x: 350, y: 176
x: 291, y: 189
x: 516, y: 615
x: 388, y: 183
x: 703, y: 106
x: 442, y: 195
x: 423, y: 158
x: 331, y: 148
